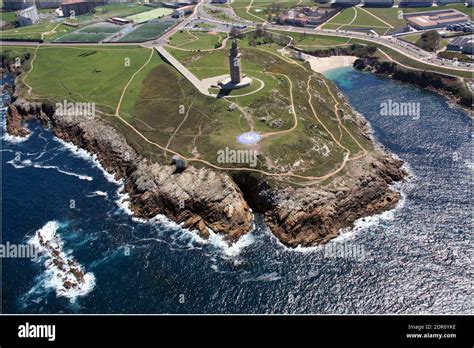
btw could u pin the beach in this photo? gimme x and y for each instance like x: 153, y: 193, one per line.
x: 323, y: 64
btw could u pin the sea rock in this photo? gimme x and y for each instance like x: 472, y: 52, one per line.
x: 14, y: 125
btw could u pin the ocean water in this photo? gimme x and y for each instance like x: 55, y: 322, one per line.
x: 413, y: 259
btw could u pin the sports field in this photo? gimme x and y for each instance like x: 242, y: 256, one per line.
x: 93, y: 33
x: 150, y: 15
x: 147, y: 31
x: 382, y: 20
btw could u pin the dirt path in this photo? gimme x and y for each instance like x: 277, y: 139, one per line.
x: 182, y: 122
x: 117, y: 110
x: 248, y: 8
x: 30, y: 70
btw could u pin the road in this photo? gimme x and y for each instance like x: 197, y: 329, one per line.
x: 407, y: 49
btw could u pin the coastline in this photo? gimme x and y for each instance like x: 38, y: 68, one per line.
x: 301, y: 216
x: 365, y: 58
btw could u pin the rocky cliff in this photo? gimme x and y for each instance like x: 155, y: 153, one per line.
x: 199, y: 198
x: 313, y: 215
x: 203, y: 198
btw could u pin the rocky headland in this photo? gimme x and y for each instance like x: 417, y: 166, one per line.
x: 203, y: 199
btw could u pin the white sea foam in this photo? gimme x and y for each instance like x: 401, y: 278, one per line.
x: 98, y: 194
x: 59, y: 264
x: 11, y: 138
x: 19, y: 164
x: 91, y: 158
x: 192, y: 239
x: 14, y: 139
x: 469, y: 164
x: 80, y: 176
x: 230, y: 250
x: 267, y: 277
x: 123, y: 201
x: 28, y: 163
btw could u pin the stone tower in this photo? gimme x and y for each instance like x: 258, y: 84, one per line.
x: 234, y: 63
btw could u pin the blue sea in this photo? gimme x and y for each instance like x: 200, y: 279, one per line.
x: 413, y: 259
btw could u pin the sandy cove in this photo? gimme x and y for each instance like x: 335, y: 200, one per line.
x: 323, y: 64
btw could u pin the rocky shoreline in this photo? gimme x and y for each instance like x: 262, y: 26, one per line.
x: 451, y: 87
x: 203, y: 199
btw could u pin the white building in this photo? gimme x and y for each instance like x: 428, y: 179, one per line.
x: 27, y: 16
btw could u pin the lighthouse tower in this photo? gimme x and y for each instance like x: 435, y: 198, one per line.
x: 236, y: 79
x: 234, y: 64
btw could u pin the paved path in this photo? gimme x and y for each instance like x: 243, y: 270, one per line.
x: 201, y: 87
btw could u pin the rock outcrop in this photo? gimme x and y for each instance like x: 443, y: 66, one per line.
x: 199, y: 198
x: 14, y: 123
x: 313, y: 215
x: 203, y: 198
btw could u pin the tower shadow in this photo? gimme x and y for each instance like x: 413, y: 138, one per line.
x: 223, y: 93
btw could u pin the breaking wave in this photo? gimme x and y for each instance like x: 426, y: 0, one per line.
x: 63, y: 273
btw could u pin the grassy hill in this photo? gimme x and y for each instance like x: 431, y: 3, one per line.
x: 314, y: 131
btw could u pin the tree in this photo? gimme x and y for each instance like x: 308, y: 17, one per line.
x: 235, y: 33
x: 429, y: 41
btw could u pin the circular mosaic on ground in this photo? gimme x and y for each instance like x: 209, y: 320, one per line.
x: 249, y: 138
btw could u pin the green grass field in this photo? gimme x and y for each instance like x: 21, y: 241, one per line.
x: 99, y: 75
x: 31, y: 33
x: 9, y: 18
x: 85, y: 74
x: 261, y: 8
x: 100, y: 29
x: 196, y: 40
x: 147, y: 31
x: 354, y: 18
x: 307, y: 41
x: 149, y: 15
x: 83, y: 37
x: 271, y: 102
